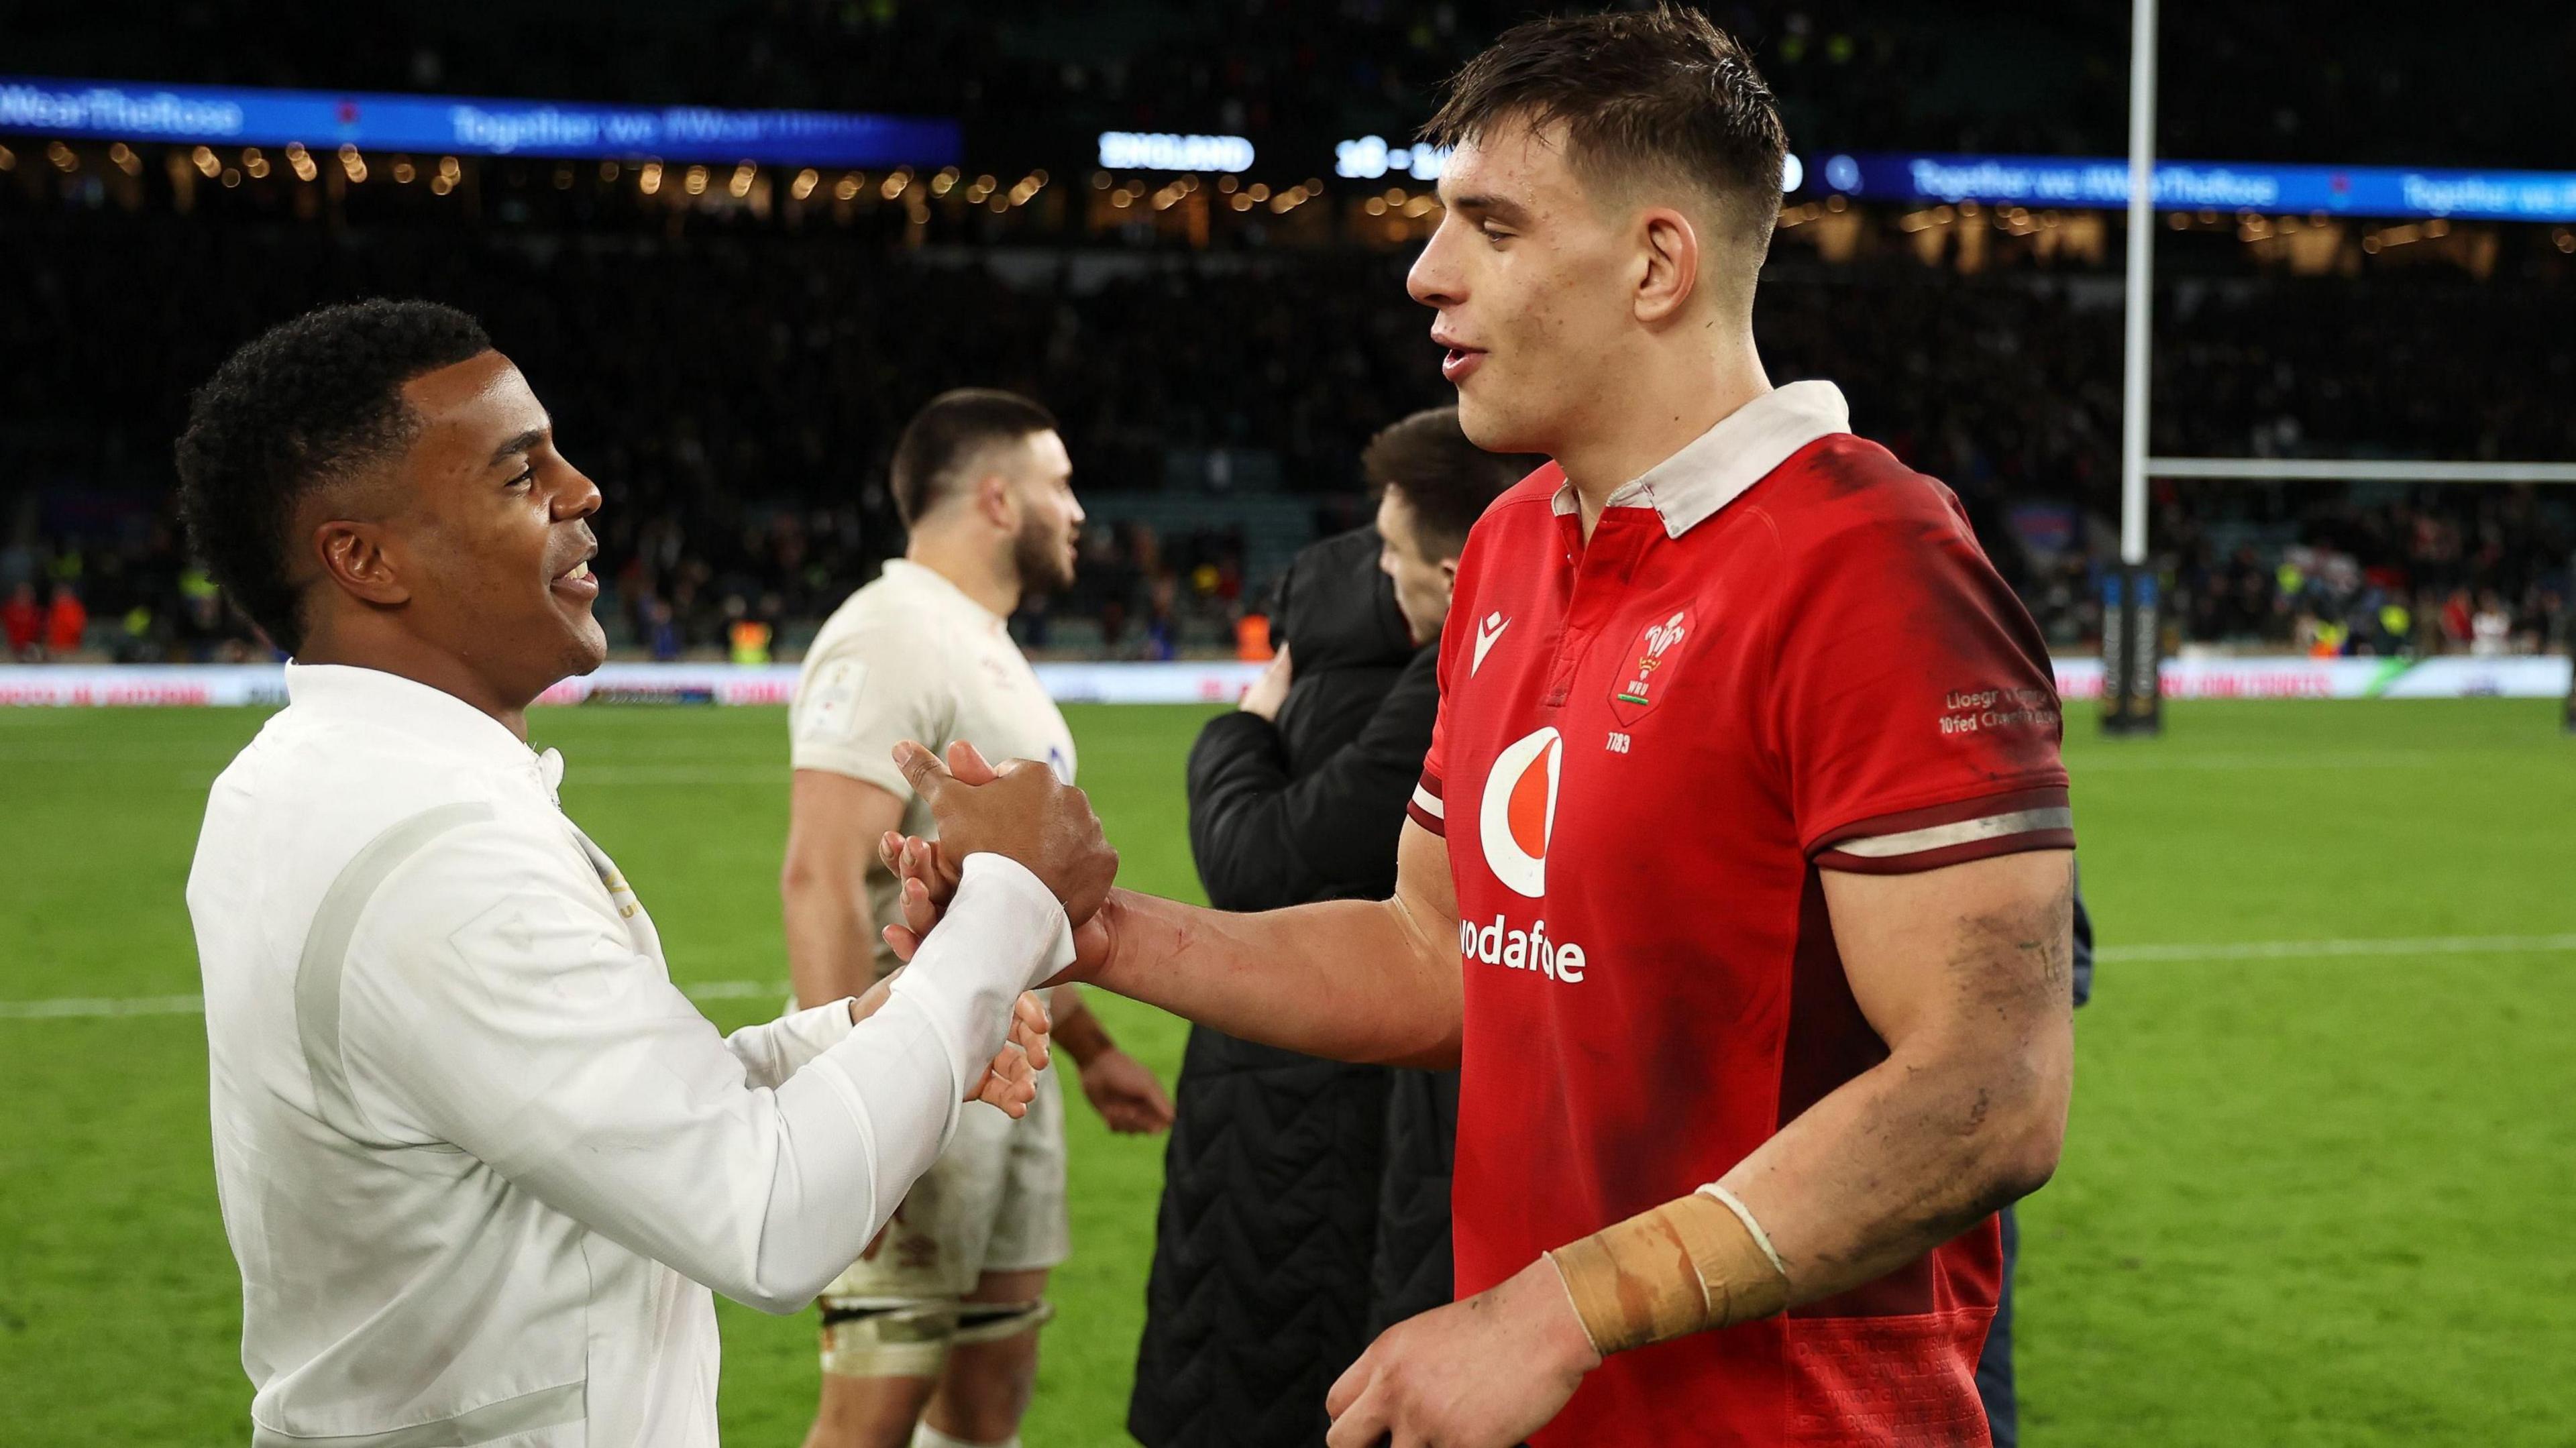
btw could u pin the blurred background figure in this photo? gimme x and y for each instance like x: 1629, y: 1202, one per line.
x: 66, y: 622
x: 1306, y: 1202
x: 931, y: 1338
x: 21, y: 622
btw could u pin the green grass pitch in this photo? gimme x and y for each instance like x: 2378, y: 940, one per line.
x: 2314, y: 1198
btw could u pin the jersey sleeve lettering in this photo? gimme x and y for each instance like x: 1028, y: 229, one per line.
x: 870, y: 691
x: 1916, y: 708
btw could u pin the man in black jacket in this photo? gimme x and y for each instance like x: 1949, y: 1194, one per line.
x: 1306, y: 1202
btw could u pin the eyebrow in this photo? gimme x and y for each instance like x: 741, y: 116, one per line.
x: 519, y: 444
x: 1509, y: 213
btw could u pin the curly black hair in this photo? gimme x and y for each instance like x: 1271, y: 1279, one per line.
x: 307, y: 402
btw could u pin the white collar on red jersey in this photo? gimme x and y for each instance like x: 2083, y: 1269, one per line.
x: 1714, y: 468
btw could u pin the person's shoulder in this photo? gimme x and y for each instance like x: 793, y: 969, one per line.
x: 1533, y: 497
x: 1526, y: 508
x: 1843, y: 495
x: 881, y: 618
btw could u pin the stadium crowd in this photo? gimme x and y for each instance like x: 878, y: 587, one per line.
x: 738, y: 394
x: 2039, y: 79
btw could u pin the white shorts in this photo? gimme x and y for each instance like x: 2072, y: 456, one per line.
x: 993, y: 1202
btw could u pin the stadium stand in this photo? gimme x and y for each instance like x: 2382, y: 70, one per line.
x: 733, y: 369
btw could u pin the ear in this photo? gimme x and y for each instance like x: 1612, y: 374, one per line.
x: 355, y: 558
x: 994, y: 503
x: 1672, y: 265
x: 1449, y: 575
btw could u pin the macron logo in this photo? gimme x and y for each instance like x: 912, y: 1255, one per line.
x: 1486, y: 632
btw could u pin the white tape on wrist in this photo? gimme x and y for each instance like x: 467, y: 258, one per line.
x: 1744, y: 1214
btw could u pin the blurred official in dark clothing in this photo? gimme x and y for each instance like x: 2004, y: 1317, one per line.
x: 1306, y: 1202
x: 1995, y: 1365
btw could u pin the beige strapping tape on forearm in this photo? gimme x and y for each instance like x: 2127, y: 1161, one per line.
x: 1688, y: 1265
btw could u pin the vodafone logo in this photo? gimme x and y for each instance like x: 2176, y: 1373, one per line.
x: 1519, y: 810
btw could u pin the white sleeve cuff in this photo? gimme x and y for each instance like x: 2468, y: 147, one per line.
x: 772, y: 1051
x: 1002, y: 934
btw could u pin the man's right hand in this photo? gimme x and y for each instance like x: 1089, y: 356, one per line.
x: 1021, y: 811
x: 927, y: 879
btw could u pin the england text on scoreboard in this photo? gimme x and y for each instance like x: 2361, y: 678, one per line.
x: 470, y: 125
x: 2102, y: 183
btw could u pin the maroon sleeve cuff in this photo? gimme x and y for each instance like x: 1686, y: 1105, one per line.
x: 1426, y: 807
x: 1949, y: 834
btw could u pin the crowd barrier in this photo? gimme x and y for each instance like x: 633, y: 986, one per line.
x: 2449, y: 677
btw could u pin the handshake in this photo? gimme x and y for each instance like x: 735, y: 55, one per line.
x: 1021, y: 811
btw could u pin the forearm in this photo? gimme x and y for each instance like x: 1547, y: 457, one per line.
x: 772, y: 1051
x: 831, y: 935
x: 1347, y: 980
x: 871, y: 1113
x: 1073, y: 1027
x: 1964, y: 972
x: 1902, y: 1158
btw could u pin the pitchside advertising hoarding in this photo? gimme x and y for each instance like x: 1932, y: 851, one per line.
x: 2078, y: 680
x: 470, y: 125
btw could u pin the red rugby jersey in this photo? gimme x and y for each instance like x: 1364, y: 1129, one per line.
x: 1781, y: 651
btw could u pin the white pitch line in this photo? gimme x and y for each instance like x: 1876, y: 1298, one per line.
x: 2320, y: 949
x: 74, y: 1007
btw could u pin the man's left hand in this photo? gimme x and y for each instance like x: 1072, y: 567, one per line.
x: 1125, y: 1094
x: 1270, y: 690
x: 1483, y: 1373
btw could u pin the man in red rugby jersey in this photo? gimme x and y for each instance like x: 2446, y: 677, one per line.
x: 1739, y: 875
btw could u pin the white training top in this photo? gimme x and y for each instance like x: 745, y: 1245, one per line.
x: 476, y: 1153
x: 910, y: 656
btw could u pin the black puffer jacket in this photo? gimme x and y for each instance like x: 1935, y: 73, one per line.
x: 1277, y: 1171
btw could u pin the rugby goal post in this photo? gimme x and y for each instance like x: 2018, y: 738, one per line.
x: 2132, y: 621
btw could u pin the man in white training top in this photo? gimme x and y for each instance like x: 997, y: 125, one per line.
x: 479, y: 1160
x: 931, y: 1338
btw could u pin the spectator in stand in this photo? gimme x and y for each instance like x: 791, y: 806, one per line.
x: 21, y: 621
x: 1306, y: 1202
x: 65, y: 622
x: 2491, y: 631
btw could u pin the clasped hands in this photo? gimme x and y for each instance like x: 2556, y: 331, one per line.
x: 1021, y: 811
x: 1480, y: 1373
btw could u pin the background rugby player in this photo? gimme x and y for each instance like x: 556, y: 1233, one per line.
x: 931, y: 1338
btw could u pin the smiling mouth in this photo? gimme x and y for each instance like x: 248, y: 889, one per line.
x: 577, y: 580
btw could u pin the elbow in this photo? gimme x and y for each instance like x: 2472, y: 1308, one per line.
x: 774, y: 1303
x: 778, y: 1289
x: 2023, y: 1161
x: 788, y: 1304
x: 2024, y: 1142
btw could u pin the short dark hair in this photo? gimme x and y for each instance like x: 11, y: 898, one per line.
x: 1657, y: 89
x: 1445, y: 480
x: 947, y: 434
x: 307, y: 403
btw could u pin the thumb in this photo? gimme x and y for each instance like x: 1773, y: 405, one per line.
x: 922, y: 771
x: 967, y: 764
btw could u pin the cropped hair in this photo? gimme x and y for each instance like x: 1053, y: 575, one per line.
x: 1639, y: 93
x: 949, y: 435
x: 307, y: 403
x: 1445, y: 480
